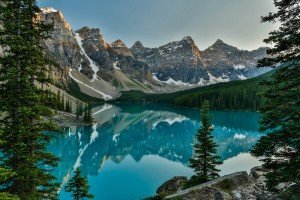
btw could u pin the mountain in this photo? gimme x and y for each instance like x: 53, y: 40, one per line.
x: 182, y: 62
x: 84, y: 58
x: 86, y: 64
x: 228, y: 61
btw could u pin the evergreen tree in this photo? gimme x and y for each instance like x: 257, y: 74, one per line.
x: 6, y: 174
x: 88, y: 116
x: 68, y: 106
x: 286, y: 38
x: 79, y: 187
x: 279, y: 149
x: 205, y: 159
x: 79, y: 109
x: 62, y: 103
x: 23, y: 150
x: 80, y: 112
x: 58, y: 101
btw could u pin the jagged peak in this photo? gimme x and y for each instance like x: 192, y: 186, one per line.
x: 219, y: 42
x: 137, y: 44
x: 87, y: 29
x: 118, y: 43
x: 47, y: 10
x: 88, y: 32
x: 187, y: 38
x: 57, y: 17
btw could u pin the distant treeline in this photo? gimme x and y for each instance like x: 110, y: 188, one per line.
x: 238, y: 95
x: 235, y: 95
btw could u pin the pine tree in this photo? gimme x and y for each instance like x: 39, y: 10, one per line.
x: 79, y: 187
x: 23, y: 150
x: 58, y: 101
x: 88, y: 116
x: 62, y: 103
x: 68, y: 106
x: 286, y: 38
x: 79, y: 109
x: 6, y: 174
x: 279, y: 149
x: 80, y: 112
x: 205, y: 159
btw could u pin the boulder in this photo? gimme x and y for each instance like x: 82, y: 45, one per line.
x: 172, y: 186
x: 236, y: 186
x: 257, y: 172
x: 231, y: 186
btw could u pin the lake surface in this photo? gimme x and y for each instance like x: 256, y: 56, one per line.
x: 134, y: 148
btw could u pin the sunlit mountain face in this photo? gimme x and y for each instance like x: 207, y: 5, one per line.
x: 135, y: 148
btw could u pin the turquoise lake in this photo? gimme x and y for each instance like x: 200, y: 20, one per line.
x: 133, y: 149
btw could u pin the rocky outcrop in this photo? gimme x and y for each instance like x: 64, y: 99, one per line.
x: 120, y: 48
x: 62, y: 47
x: 172, y: 186
x: 236, y: 186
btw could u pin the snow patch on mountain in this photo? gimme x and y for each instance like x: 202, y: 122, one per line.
x: 214, y: 80
x: 93, y: 65
x: 239, y: 66
x: 171, y: 81
x: 115, y: 65
x: 242, y: 77
x: 48, y: 10
x: 105, y: 96
x: 201, y: 82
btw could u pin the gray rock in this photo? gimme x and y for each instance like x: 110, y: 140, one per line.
x: 172, y: 186
x: 237, y: 186
x: 257, y: 172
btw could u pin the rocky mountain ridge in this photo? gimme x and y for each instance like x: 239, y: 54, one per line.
x: 103, y: 70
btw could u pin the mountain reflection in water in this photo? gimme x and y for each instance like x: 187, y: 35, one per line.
x: 134, y: 148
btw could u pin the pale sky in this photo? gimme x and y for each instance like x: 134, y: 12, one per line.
x: 157, y: 22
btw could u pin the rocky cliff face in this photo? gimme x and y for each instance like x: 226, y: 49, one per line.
x: 102, y: 69
x: 110, y: 57
x: 175, y: 54
x: 224, y: 60
x: 62, y: 46
x: 182, y: 63
x: 174, y: 63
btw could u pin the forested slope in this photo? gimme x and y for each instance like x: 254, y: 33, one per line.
x: 235, y: 95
